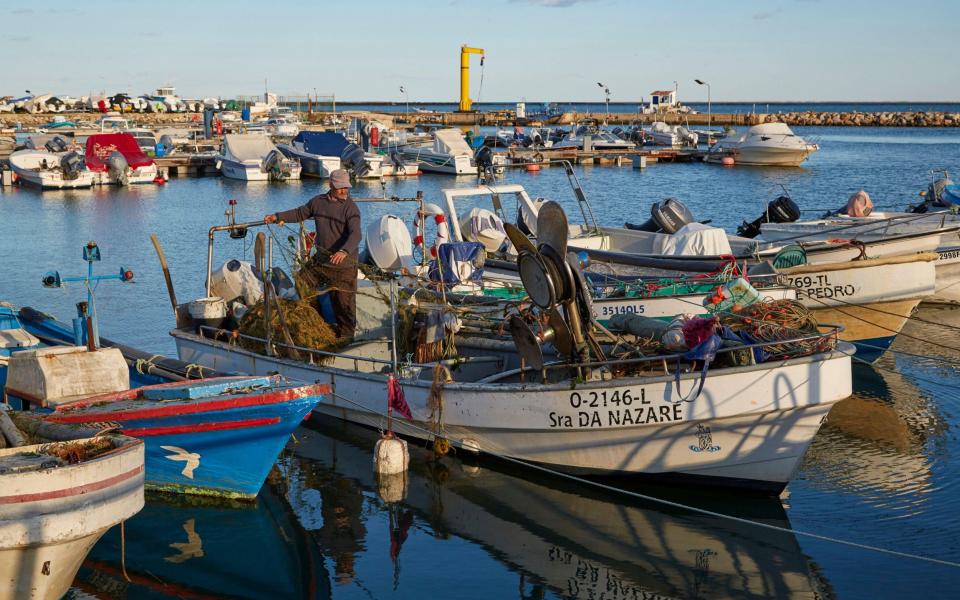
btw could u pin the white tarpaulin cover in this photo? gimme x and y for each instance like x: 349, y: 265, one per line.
x: 694, y: 239
x: 450, y: 141
x: 247, y: 146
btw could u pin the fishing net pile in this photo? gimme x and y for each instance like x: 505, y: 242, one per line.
x: 305, y: 325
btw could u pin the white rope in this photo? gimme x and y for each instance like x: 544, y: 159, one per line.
x: 459, y: 444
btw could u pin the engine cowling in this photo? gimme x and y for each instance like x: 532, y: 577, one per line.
x: 781, y: 210
x: 667, y: 216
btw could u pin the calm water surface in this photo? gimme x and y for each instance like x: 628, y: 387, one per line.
x: 883, y: 471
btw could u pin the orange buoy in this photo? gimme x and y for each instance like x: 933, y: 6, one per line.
x: 533, y: 168
x: 727, y: 161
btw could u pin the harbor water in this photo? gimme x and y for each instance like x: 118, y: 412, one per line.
x: 882, y: 472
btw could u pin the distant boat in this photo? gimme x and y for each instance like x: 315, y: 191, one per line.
x: 318, y: 151
x: 448, y: 153
x: 253, y: 157
x: 117, y: 158
x: 599, y: 139
x: 769, y: 144
x: 672, y: 136
x: 51, y: 167
x: 55, y: 510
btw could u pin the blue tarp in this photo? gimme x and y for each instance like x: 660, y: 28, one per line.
x: 322, y: 143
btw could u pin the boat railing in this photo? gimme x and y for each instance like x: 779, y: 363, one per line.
x: 832, y: 332
x: 460, y: 360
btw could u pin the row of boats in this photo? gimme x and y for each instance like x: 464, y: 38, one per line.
x: 773, y: 144
x: 667, y: 350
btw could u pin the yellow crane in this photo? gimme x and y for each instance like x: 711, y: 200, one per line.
x: 465, y: 51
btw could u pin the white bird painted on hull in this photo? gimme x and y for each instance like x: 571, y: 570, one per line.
x: 192, y: 459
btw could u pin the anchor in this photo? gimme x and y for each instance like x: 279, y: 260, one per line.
x: 86, y: 311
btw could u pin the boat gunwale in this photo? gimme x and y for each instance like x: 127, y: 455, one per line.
x: 843, y: 350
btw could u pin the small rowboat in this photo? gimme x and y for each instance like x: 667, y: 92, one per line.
x: 216, y: 436
x: 56, y: 501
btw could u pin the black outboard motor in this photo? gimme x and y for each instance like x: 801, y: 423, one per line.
x: 781, y: 210
x: 352, y: 158
x: 71, y: 164
x: 56, y: 144
x: 484, y: 158
x: 666, y: 216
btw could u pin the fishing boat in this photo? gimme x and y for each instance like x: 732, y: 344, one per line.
x: 448, y: 153
x: 554, y: 405
x: 871, y: 298
x: 253, y: 157
x: 56, y: 500
x: 116, y: 158
x: 768, y: 144
x: 57, y: 170
x: 217, y: 436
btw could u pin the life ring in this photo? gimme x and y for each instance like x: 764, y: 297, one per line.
x: 443, y: 228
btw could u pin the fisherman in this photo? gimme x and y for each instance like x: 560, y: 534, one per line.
x: 337, y: 221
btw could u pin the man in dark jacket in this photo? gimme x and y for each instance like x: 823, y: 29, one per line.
x: 337, y: 221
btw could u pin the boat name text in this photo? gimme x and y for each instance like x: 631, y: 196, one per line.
x: 622, y: 408
x: 818, y: 287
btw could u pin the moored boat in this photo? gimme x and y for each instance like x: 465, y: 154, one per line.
x: 253, y: 157
x: 56, y: 500
x: 768, y: 144
x: 116, y: 158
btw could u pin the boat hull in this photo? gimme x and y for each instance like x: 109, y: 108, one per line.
x: 312, y: 165
x: 764, y: 418
x: 233, y: 443
x: 52, y: 517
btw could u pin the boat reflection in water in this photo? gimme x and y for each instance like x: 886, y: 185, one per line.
x: 180, y: 547
x: 561, y: 538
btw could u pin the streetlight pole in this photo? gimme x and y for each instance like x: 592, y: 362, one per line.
x: 709, y: 130
x: 606, y: 92
x: 403, y: 90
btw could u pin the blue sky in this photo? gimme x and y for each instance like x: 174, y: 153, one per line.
x: 536, y: 49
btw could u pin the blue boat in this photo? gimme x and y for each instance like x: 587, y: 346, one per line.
x: 318, y: 152
x: 218, y: 436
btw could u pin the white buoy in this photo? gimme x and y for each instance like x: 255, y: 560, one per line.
x: 390, y: 456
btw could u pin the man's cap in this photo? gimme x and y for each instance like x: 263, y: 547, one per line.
x: 340, y: 179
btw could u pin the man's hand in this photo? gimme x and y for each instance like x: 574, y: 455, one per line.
x: 272, y: 219
x: 338, y: 258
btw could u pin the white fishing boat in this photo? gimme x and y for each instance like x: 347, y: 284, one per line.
x: 518, y: 399
x: 769, y: 144
x: 56, y: 501
x: 253, y: 157
x: 51, y: 170
x: 672, y: 136
x: 448, y: 153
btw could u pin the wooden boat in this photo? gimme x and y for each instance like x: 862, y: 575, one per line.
x: 56, y: 501
x: 217, y: 436
x: 592, y: 423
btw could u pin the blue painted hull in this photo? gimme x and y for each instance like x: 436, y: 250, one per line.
x: 872, y: 349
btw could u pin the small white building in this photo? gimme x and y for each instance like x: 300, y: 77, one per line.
x: 661, y: 100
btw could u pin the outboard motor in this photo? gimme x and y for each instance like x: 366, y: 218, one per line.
x: 354, y: 159
x: 781, y: 210
x: 56, y: 144
x: 535, y: 138
x: 71, y: 164
x: 667, y: 216
x: 484, y: 158
x: 117, y: 166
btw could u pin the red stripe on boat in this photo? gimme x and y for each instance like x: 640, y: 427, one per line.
x: 200, y: 427
x: 185, y: 407
x: 74, y: 491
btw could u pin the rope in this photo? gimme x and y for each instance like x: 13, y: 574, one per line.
x: 123, y: 552
x: 702, y: 511
x: 144, y: 365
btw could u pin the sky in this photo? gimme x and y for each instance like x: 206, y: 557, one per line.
x: 536, y: 50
